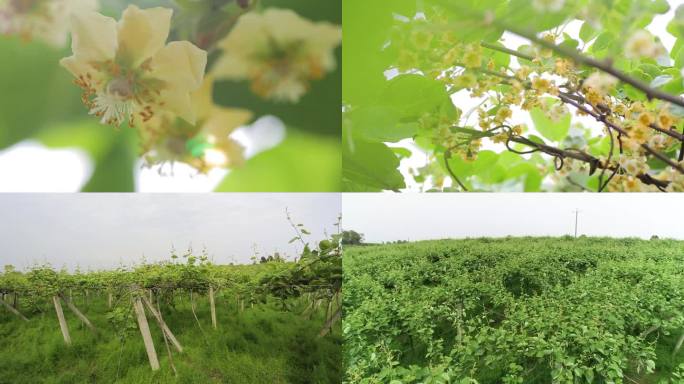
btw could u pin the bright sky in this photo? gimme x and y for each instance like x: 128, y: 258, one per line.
x: 463, y: 100
x: 104, y: 230
x: 421, y: 216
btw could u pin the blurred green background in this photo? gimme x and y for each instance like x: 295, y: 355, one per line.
x: 39, y: 102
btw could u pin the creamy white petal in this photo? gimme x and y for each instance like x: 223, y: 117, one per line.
x: 181, y: 64
x: 179, y: 103
x: 143, y: 32
x: 93, y: 36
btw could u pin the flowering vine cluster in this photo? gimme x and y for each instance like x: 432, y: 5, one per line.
x: 632, y: 98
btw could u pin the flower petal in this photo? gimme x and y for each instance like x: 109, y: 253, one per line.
x: 231, y: 67
x: 202, y: 97
x: 75, y: 66
x: 179, y: 103
x: 222, y: 121
x: 249, y: 36
x: 286, y: 26
x: 181, y: 64
x: 93, y: 36
x: 143, y: 32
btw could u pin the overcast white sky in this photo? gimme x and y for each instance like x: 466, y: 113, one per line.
x: 421, y: 216
x: 104, y: 230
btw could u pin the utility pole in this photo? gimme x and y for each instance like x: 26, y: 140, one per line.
x: 576, y: 214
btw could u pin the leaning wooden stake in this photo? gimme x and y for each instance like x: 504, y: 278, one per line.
x: 78, y: 313
x: 165, y: 329
x: 62, y: 320
x: 331, y: 321
x: 192, y: 307
x: 678, y: 346
x: 13, y: 310
x: 145, y: 332
x: 213, y: 307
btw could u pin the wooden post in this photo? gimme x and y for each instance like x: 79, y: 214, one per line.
x: 327, y: 327
x: 146, y: 335
x: 678, y: 346
x: 13, y: 310
x: 62, y: 320
x: 78, y: 314
x: 109, y: 300
x: 163, y: 325
x: 213, y: 307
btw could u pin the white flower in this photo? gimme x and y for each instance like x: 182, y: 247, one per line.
x: 127, y: 71
x: 44, y: 20
x: 204, y: 145
x: 642, y: 44
x: 600, y: 82
x: 633, y: 165
x: 657, y: 141
x: 548, y: 5
x: 279, y: 52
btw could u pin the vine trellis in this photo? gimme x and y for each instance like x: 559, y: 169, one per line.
x: 314, y: 281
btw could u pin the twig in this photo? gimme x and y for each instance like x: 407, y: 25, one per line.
x: 604, y: 66
x: 447, y: 156
x: 507, y: 50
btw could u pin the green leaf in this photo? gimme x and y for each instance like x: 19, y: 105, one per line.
x: 523, y: 13
x: 536, y: 139
x: 553, y: 130
x: 587, y: 32
x: 89, y: 135
x: 484, y: 161
x: 675, y: 86
x: 366, y: 30
x: 369, y: 167
x: 301, y: 163
x: 401, y: 152
x: 413, y: 95
x: 602, y: 42
x: 569, y: 42
x: 501, y: 60
x: 37, y: 90
x: 676, y: 25
x: 114, y: 170
x: 650, y: 69
x: 380, y: 124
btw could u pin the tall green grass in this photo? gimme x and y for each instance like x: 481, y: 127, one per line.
x: 260, y: 345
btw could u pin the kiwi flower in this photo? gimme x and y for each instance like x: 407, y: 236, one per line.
x: 204, y: 145
x: 127, y: 72
x: 279, y: 52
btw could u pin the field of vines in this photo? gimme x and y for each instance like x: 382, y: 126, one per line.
x: 186, y: 321
x: 515, y: 310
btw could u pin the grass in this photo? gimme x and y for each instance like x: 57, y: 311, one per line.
x: 260, y: 345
